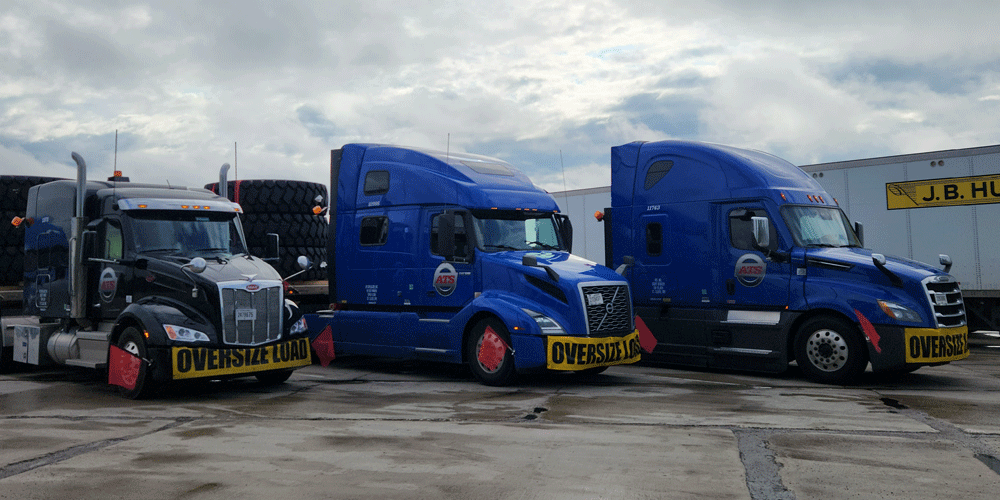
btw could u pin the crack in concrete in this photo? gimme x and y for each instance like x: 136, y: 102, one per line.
x: 75, y: 451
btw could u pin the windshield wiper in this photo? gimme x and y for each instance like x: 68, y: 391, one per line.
x: 160, y: 250
x: 543, y: 245
x: 824, y: 245
x: 503, y: 247
x: 217, y: 249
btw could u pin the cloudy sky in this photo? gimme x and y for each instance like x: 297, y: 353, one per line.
x: 277, y: 85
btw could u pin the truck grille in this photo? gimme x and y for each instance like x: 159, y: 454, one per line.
x: 946, y: 301
x: 251, y: 312
x: 611, y: 314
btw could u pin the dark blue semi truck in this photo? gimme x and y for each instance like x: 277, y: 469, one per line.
x: 459, y: 258
x: 738, y: 259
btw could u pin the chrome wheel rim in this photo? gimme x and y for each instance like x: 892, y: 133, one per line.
x: 827, y: 350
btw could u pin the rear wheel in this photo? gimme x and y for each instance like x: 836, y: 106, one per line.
x: 830, y: 350
x: 483, y: 353
x: 132, y: 342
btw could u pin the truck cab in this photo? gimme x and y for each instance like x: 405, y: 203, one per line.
x: 162, y: 273
x: 743, y: 261
x: 460, y: 258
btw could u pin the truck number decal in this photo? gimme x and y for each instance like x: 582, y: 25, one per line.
x: 943, y: 192
x: 195, y: 362
x: 246, y: 314
x: 750, y: 269
x: 580, y: 353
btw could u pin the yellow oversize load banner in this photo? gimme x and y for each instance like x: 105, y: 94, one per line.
x: 580, y: 353
x: 936, y: 345
x: 197, y: 362
x: 943, y: 192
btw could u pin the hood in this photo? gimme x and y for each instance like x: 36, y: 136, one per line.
x: 862, y: 259
x: 571, y: 269
x: 236, y: 268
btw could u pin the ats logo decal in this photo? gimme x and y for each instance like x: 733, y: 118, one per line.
x: 108, y: 284
x: 750, y: 269
x: 445, y: 279
x: 253, y: 287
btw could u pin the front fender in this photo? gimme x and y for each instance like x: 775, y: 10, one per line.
x: 153, y: 314
x: 506, y: 307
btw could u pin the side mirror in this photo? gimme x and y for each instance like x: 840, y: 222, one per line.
x: 565, y: 231
x: 627, y: 262
x: 89, y: 245
x: 446, y: 235
x: 859, y: 230
x: 303, y: 262
x: 944, y: 259
x: 761, y: 232
x: 197, y: 265
x: 271, y: 251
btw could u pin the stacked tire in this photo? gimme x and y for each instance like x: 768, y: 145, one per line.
x: 13, y: 203
x: 285, y: 208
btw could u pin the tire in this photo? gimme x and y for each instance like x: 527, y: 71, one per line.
x: 831, y: 351
x: 504, y: 373
x: 590, y: 372
x: 274, y: 196
x: 293, y: 230
x: 11, y: 265
x: 273, y: 377
x: 14, y: 191
x: 6, y: 359
x: 131, y: 340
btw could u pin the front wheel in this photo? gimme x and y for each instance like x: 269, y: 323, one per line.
x: 273, y: 377
x: 489, y: 354
x: 132, y: 342
x: 830, y: 350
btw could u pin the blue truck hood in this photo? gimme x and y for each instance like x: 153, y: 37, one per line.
x: 862, y: 258
x: 532, y: 288
x: 572, y: 269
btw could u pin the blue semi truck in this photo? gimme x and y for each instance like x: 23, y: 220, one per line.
x: 740, y: 260
x: 459, y: 258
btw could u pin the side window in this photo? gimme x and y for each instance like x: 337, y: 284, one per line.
x: 657, y: 171
x: 377, y: 182
x: 374, y: 230
x: 741, y: 229
x: 461, y: 238
x: 654, y: 239
x: 112, y: 241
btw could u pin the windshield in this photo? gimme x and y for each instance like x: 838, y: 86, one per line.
x: 186, y: 233
x: 500, y: 230
x: 819, y: 226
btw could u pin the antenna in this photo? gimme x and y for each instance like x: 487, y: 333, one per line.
x: 447, y: 152
x: 236, y: 164
x: 116, y: 151
x: 565, y: 193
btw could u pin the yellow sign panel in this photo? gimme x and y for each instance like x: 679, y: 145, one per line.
x: 943, y: 192
x: 197, y: 362
x: 581, y: 353
x: 936, y: 345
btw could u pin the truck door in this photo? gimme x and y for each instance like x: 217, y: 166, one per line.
x: 446, y: 284
x: 113, y: 278
x: 752, y: 280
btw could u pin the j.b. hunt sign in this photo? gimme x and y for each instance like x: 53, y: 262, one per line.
x: 943, y: 192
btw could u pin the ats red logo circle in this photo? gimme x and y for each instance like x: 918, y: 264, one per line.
x: 108, y: 284
x: 750, y: 269
x: 445, y: 279
x: 253, y: 287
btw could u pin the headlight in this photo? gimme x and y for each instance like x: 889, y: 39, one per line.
x: 298, y: 327
x: 182, y: 334
x: 545, y: 323
x: 899, y: 312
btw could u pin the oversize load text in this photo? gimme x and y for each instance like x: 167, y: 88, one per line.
x: 194, y: 362
x: 581, y: 353
x: 927, y: 345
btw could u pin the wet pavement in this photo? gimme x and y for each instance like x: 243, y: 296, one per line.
x: 371, y: 428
